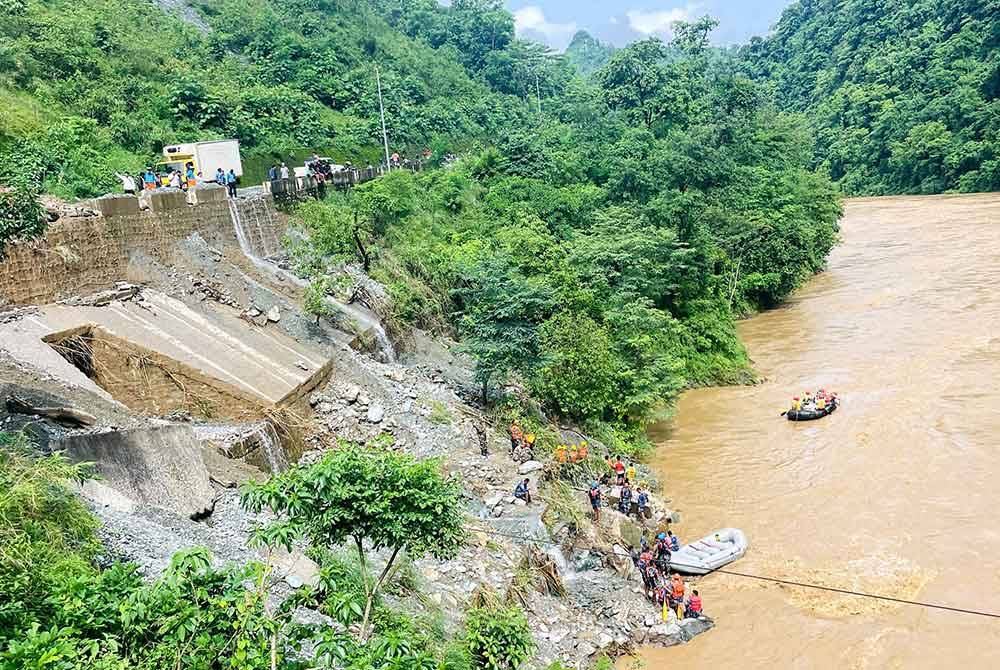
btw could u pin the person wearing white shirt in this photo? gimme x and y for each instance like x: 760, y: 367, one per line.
x: 128, y: 183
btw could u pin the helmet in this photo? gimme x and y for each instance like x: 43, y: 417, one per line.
x: 593, y: 485
x: 661, y: 536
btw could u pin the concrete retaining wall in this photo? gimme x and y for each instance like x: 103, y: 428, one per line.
x: 86, y: 254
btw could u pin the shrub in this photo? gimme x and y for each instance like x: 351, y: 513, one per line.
x: 498, y: 637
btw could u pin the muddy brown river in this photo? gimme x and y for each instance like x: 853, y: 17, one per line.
x: 897, y: 493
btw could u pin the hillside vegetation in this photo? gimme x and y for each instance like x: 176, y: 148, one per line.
x: 904, y: 95
x: 597, y: 240
x: 600, y: 249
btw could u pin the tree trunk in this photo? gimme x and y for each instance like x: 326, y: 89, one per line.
x: 371, y: 592
x: 362, y: 251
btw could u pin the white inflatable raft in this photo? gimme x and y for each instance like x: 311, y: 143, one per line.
x: 710, y: 552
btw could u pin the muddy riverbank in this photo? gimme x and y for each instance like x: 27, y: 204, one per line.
x: 894, y: 494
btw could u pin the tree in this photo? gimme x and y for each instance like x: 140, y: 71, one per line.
x: 502, y: 312
x: 633, y: 78
x: 314, y: 298
x: 378, y: 498
x: 692, y: 38
x: 21, y: 215
x: 579, y: 368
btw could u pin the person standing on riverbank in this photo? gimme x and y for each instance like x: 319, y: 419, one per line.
x: 595, y: 501
x: 619, y: 468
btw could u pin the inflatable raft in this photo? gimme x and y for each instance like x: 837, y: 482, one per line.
x: 710, y: 552
x: 812, y: 412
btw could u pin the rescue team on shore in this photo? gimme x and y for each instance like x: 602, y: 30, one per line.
x: 663, y: 588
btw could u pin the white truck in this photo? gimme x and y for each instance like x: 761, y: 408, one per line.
x: 207, y: 157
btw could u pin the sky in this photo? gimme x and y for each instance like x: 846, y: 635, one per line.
x: 554, y: 22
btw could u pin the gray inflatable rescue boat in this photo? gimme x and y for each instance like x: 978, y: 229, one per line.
x: 710, y: 552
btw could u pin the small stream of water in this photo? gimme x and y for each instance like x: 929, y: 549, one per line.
x: 361, y: 320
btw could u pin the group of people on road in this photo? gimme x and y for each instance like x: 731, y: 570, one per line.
x: 662, y: 587
x: 175, y: 179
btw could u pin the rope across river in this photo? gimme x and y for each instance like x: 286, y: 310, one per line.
x: 786, y: 582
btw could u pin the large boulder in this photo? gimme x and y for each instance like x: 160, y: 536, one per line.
x: 161, y: 467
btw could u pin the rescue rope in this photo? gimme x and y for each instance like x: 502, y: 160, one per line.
x: 787, y: 582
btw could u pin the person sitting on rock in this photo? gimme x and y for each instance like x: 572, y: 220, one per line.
x: 625, y: 499
x: 692, y: 610
x: 595, y: 501
x: 523, y: 492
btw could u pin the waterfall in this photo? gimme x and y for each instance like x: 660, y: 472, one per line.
x: 241, y: 234
x: 267, y: 437
x: 365, y: 322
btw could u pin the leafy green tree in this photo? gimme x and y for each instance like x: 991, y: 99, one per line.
x: 692, y: 39
x: 21, y: 215
x: 634, y: 78
x: 579, y: 369
x: 588, y: 54
x: 379, y: 498
x: 314, y: 298
x: 500, y: 321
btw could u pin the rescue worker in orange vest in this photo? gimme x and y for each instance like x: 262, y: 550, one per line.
x: 677, y: 592
x: 693, y: 609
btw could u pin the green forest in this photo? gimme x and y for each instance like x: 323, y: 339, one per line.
x: 903, y: 95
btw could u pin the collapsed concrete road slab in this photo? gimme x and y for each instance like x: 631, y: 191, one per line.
x: 156, y: 355
x: 159, y: 466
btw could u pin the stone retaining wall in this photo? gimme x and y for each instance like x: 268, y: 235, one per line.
x: 82, y: 255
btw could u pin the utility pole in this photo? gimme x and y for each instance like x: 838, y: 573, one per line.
x: 538, y: 94
x: 381, y: 111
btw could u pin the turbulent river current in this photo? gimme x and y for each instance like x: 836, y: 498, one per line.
x: 897, y: 493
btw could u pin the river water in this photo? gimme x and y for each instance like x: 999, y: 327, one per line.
x: 897, y: 493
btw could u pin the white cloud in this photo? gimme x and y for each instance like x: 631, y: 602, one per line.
x: 531, y: 19
x: 657, y: 21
